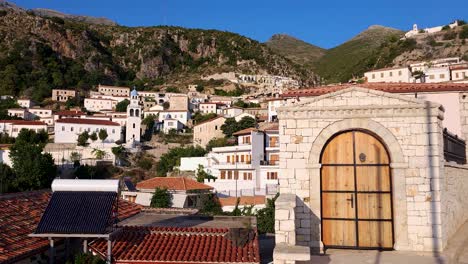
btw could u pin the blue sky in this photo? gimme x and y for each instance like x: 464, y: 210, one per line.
x: 323, y: 23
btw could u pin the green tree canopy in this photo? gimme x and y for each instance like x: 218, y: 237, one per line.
x: 103, y: 135
x: 172, y: 158
x: 93, y: 136
x: 219, y: 142
x: 199, y: 117
x: 83, y: 138
x: 7, y: 176
x: 122, y: 106
x: 231, y: 126
x: 161, y: 198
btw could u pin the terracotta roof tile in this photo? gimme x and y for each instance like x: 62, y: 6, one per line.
x: 385, y: 87
x: 24, y: 122
x: 69, y: 113
x: 244, y: 200
x: 87, y: 121
x: 21, y: 212
x: 173, y: 183
x: 178, y: 245
x: 244, y: 131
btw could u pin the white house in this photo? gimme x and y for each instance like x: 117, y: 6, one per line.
x: 154, y: 110
x: 40, y: 112
x: 273, y: 104
x: 231, y: 111
x: 181, y: 115
x: 398, y: 74
x: 114, y: 90
x: 210, y: 107
x: 13, y: 127
x: 20, y: 112
x: 437, y: 74
x: 134, y: 113
x: 459, y: 73
x: 68, y: 129
x: 25, y: 103
x: 99, y: 104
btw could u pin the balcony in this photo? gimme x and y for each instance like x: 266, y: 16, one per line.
x: 454, y: 148
x: 233, y: 148
x: 269, y: 163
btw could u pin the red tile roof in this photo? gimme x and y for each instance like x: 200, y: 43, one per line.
x: 87, y: 121
x: 19, y: 215
x: 173, y: 183
x: 244, y: 200
x: 385, y: 87
x: 24, y: 122
x: 69, y: 113
x: 178, y: 245
x: 244, y: 131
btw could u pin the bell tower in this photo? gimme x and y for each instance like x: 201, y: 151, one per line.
x: 133, y: 127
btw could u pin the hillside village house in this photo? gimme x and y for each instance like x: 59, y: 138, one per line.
x: 372, y: 166
x: 437, y: 75
x: 25, y: 103
x: 154, y: 110
x: 205, y: 131
x: 248, y: 168
x: 62, y: 95
x: 231, y: 111
x: 459, y: 73
x: 173, y: 119
x: 69, y: 114
x: 273, y: 104
x: 210, y: 108
x: 13, y: 127
x: 20, y: 113
x: 178, y: 102
x: 68, y: 129
x: 40, y: 112
x: 114, y: 90
x: 221, y: 99
x: 99, y: 104
x: 398, y: 74
x: 185, y: 192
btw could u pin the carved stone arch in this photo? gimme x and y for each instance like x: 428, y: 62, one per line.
x: 397, y: 165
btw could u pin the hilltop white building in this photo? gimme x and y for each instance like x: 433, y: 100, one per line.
x: 134, y: 113
x: 13, y: 127
x: 68, y: 129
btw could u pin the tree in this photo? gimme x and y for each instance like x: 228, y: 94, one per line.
x: 161, y: 198
x: 122, y: 106
x: 230, y: 127
x: 219, y: 142
x: 202, y: 174
x: 200, y: 88
x: 170, y: 159
x: 247, y: 122
x: 75, y: 157
x: 87, y: 258
x: 7, y: 176
x: 33, y: 137
x: 211, y: 205
x: 93, y: 136
x: 83, y: 139
x: 119, y: 153
x: 99, y: 153
x: 145, y: 163
x: 103, y: 135
x: 199, y: 117
x: 172, y: 90
x: 166, y: 105
x: 266, y: 217
x: 33, y: 169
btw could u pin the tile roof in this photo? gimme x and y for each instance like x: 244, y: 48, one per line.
x: 244, y: 200
x: 69, y: 113
x: 384, y: 87
x: 389, y: 69
x: 178, y: 245
x: 87, y: 121
x: 244, y: 131
x: 209, y: 120
x: 21, y: 212
x: 24, y: 122
x: 173, y: 183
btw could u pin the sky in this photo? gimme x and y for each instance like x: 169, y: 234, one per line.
x: 322, y: 23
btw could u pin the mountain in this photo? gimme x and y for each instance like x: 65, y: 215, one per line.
x: 86, y: 19
x: 39, y: 53
x: 356, y: 55
x: 295, y: 49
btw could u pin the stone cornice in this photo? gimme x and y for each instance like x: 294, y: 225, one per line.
x: 365, y: 111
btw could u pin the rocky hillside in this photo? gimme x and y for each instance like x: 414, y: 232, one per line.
x: 295, y: 49
x: 40, y: 53
x: 86, y: 19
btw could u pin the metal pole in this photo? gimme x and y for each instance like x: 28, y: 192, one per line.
x: 109, y: 252
x: 85, y: 246
x: 51, y: 251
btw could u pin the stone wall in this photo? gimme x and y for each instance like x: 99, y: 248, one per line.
x: 411, y: 129
x: 454, y: 198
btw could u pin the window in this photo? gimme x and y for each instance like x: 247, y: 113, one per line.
x: 228, y: 159
x: 274, y: 158
x: 242, y: 158
x: 229, y: 175
x: 113, y: 131
x: 223, y: 175
x: 399, y: 73
x: 63, y: 128
x: 381, y: 75
x: 456, y: 75
x: 216, y: 127
x: 431, y: 76
x: 237, y: 158
x: 442, y: 76
x: 236, y: 175
x: 390, y: 74
x: 273, y: 142
x: 272, y: 175
x: 71, y: 129
x: 133, y: 125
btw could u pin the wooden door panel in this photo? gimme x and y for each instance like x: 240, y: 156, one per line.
x: 339, y: 150
x: 373, y: 178
x: 375, y: 234
x: 338, y: 178
x: 374, y: 206
x: 371, y: 147
x: 340, y: 233
x: 336, y: 205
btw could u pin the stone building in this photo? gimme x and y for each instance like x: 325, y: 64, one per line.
x: 205, y: 131
x: 62, y: 95
x: 368, y: 169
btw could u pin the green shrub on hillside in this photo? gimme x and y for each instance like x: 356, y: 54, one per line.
x: 464, y: 32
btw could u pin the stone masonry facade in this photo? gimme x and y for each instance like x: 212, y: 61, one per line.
x: 411, y: 130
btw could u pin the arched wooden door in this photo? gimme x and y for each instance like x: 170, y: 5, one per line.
x: 356, y: 193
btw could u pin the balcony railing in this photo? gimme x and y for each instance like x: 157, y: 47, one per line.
x: 269, y: 162
x: 454, y: 148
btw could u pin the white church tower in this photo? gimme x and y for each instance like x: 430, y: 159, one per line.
x: 133, y: 130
